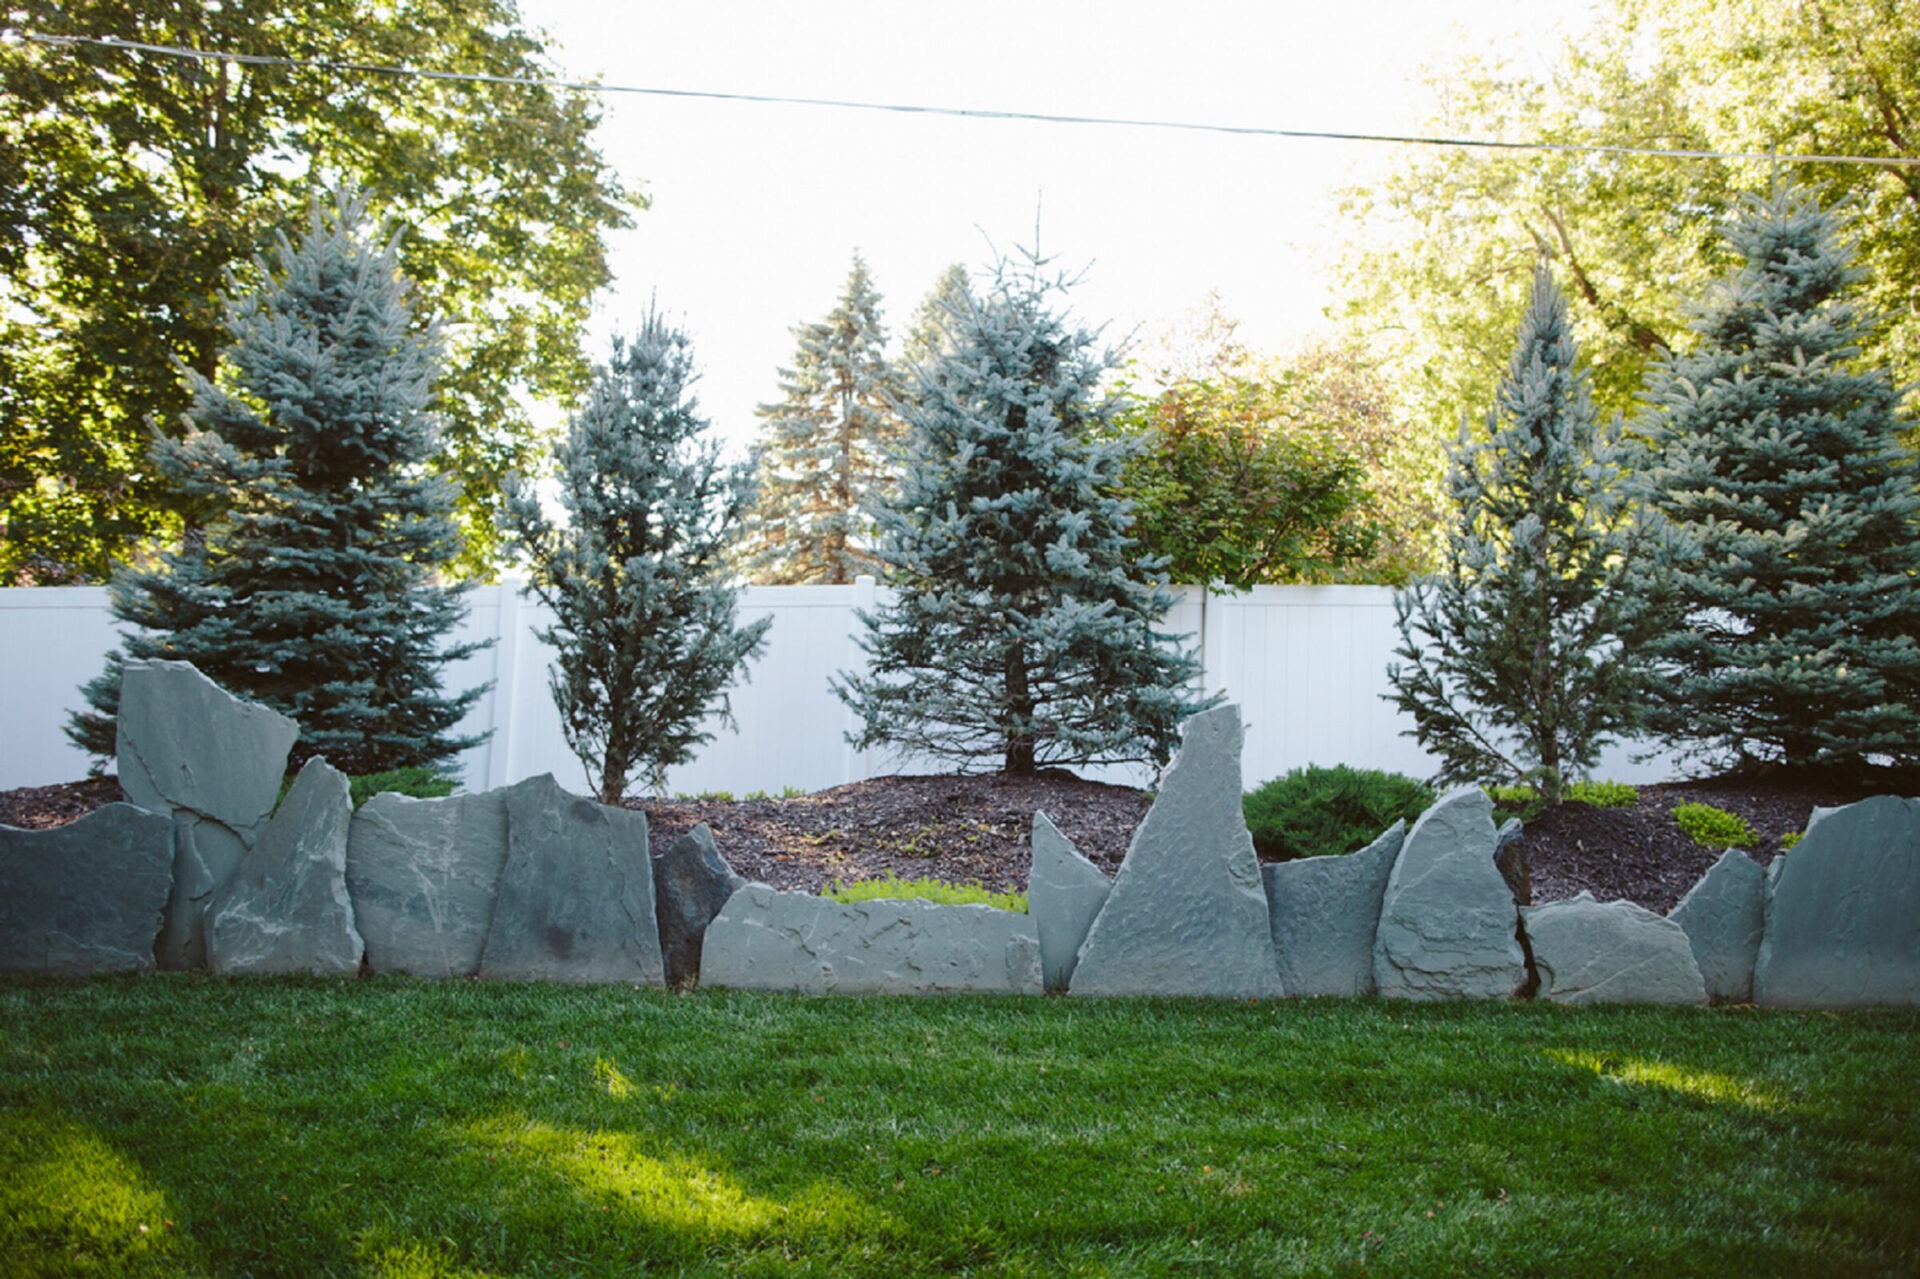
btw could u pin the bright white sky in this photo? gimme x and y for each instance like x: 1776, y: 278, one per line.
x: 758, y: 209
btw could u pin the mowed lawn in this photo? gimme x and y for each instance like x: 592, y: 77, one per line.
x: 183, y: 1125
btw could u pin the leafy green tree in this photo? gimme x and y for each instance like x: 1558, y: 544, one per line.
x: 1523, y: 655
x: 1778, y: 462
x: 824, y: 445
x: 645, y: 639
x: 132, y: 182
x: 313, y: 589
x: 1023, y: 629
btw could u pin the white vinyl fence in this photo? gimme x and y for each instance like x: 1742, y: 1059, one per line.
x: 1307, y: 664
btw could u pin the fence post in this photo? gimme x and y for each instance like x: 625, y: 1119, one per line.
x: 858, y: 765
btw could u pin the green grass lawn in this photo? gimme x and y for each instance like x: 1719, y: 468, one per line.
x: 182, y: 1125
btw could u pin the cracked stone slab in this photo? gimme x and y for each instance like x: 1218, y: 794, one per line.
x: 768, y: 940
x: 1590, y: 952
x: 1188, y: 911
x: 1448, y: 924
x: 1725, y: 916
x: 1065, y: 892
x: 691, y: 882
x: 1843, y: 911
x: 285, y: 908
x: 575, y: 896
x: 85, y: 897
x: 1324, y: 911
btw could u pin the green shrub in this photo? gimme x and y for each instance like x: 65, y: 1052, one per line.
x: 1791, y: 838
x: 892, y: 888
x: 1604, y: 794
x: 1712, y: 827
x: 1523, y: 802
x: 1320, y: 812
x: 423, y: 782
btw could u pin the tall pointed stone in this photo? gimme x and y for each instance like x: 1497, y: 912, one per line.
x: 1590, y: 952
x: 211, y: 762
x: 1188, y: 913
x: 85, y: 897
x: 1065, y: 892
x: 575, y: 901
x: 1725, y: 916
x: 1448, y: 925
x: 691, y: 882
x: 1324, y: 912
x: 285, y: 909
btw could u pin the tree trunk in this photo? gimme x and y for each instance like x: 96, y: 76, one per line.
x: 1019, y: 760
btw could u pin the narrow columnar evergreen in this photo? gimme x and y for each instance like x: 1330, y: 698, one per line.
x: 1779, y: 464
x: 1522, y: 656
x: 645, y: 637
x: 824, y: 446
x: 1023, y: 632
x: 312, y: 581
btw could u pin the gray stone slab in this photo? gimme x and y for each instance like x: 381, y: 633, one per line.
x: 1724, y: 916
x: 691, y: 882
x: 575, y: 899
x: 1324, y: 911
x: 422, y: 874
x: 1065, y: 892
x: 768, y: 940
x: 1188, y: 911
x: 214, y: 763
x: 1843, y: 912
x: 85, y: 897
x: 285, y: 908
x: 1590, y: 952
x: 1448, y: 925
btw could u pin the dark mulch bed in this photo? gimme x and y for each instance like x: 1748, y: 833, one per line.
x: 977, y: 829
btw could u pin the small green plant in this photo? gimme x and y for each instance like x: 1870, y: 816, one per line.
x: 1320, y: 812
x: 1791, y: 838
x: 708, y: 797
x: 423, y: 782
x: 1604, y: 794
x: 1521, y: 801
x: 1712, y: 827
x: 792, y: 792
x: 892, y: 888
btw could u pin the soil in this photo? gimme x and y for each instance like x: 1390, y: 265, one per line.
x: 976, y: 829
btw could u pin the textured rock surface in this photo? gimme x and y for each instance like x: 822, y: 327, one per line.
x: 691, y: 882
x: 575, y: 899
x: 85, y: 897
x: 1448, y: 922
x: 768, y: 940
x: 422, y: 874
x: 1065, y: 892
x: 1843, y: 911
x: 1724, y: 916
x: 1188, y: 911
x: 187, y: 748
x: 285, y: 908
x: 1324, y: 912
x: 1588, y: 952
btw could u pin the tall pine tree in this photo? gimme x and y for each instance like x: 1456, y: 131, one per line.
x: 1522, y: 657
x: 1779, y: 463
x: 645, y: 638
x: 313, y: 585
x: 823, y: 451
x: 1023, y: 629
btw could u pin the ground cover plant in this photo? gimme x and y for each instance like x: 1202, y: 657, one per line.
x: 199, y: 1126
x: 890, y: 887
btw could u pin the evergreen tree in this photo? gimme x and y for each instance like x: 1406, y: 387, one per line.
x: 645, y: 635
x: 951, y: 295
x: 1522, y: 656
x: 312, y: 587
x: 1779, y: 463
x: 823, y: 453
x: 1023, y: 627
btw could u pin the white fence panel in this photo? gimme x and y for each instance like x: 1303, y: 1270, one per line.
x: 53, y: 639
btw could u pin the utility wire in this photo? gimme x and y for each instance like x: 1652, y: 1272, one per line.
x: 965, y: 113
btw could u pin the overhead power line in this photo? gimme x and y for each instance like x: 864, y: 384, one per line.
x: 964, y: 113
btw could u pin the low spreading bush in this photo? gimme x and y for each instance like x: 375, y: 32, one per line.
x: 1604, y: 794
x: 892, y: 888
x: 1320, y: 812
x: 1712, y: 827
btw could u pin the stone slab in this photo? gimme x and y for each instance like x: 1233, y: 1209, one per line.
x: 1188, y: 911
x: 1065, y: 892
x: 1843, y: 912
x: 1448, y: 925
x: 1323, y: 913
x: 1724, y: 916
x: 85, y: 897
x: 768, y: 940
x: 422, y: 874
x: 285, y: 908
x: 691, y: 882
x: 1590, y: 952
x: 575, y: 897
